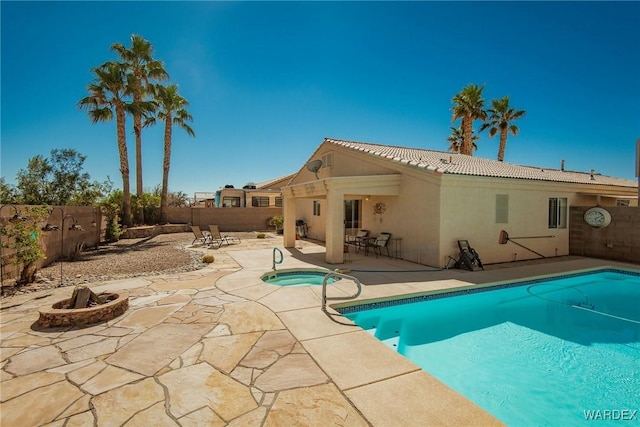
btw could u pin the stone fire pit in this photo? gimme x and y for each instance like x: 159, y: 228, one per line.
x: 99, y: 308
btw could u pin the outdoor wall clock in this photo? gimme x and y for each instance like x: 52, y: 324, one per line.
x: 379, y: 208
x: 597, y: 217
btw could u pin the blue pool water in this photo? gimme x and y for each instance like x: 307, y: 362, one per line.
x: 297, y: 277
x: 537, y: 353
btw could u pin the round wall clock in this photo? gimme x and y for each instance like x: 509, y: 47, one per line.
x: 597, y: 217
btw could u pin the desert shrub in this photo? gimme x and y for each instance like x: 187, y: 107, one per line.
x: 113, y: 230
x: 22, y: 236
x: 76, y: 252
x: 208, y: 259
x: 260, y: 236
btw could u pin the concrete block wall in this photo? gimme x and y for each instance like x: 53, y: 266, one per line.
x: 227, y: 219
x: 619, y: 241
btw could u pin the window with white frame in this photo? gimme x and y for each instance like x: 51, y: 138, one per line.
x: 502, y: 208
x: 558, y: 212
x: 316, y: 208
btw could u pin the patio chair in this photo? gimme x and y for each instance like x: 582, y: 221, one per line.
x: 469, y: 258
x: 380, y: 243
x: 200, y: 235
x: 218, y: 239
x: 357, y: 240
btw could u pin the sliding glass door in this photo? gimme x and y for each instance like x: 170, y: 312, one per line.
x: 352, y: 216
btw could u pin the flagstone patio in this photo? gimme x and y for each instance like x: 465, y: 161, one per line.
x: 219, y: 347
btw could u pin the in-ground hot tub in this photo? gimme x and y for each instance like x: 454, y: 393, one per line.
x: 298, y: 277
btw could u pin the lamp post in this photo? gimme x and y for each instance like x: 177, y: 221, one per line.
x: 15, y: 218
x: 74, y: 226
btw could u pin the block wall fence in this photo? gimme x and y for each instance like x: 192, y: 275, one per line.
x: 92, y: 222
x: 619, y: 241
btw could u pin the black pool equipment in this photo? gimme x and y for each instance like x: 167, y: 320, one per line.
x: 468, y: 258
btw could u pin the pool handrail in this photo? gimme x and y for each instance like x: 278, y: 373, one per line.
x: 342, y: 276
x: 274, y: 258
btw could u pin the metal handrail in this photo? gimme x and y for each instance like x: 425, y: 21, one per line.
x: 274, y: 258
x: 342, y: 276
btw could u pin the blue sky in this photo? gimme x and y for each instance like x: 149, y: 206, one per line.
x: 267, y: 81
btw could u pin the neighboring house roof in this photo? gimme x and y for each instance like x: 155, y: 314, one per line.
x: 276, y: 182
x: 460, y: 164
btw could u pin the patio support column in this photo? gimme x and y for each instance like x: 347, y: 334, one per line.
x: 335, y: 227
x: 289, y: 226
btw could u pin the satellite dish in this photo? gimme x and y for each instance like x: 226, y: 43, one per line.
x: 314, y: 166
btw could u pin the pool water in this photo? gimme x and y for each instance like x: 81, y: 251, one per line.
x: 297, y: 277
x: 545, y: 352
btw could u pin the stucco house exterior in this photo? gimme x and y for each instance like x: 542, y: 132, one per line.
x: 428, y: 200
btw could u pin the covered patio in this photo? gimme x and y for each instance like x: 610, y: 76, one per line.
x: 334, y: 191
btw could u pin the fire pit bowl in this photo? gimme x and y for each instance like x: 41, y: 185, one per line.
x: 114, y: 306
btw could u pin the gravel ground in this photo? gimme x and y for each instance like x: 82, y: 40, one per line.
x: 164, y: 253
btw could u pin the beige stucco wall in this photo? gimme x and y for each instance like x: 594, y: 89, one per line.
x: 469, y: 213
x: 89, y: 218
x: 432, y: 211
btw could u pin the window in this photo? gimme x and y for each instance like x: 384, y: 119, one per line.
x: 327, y: 161
x: 557, y: 212
x: 316, y: 208
x: 502, y: 208
x: 352, y: 214
x: 231, y: 202
x: 260, y: 202
x: 278, y: 202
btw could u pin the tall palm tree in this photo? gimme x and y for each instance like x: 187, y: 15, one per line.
x: 457, y: 138
x: 171, y: 108
x: 142, y: 69
x: 469, y: 107
x: 107, y: 96
x: 500, y: 119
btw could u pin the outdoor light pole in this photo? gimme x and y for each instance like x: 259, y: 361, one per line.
x: 15, y: 218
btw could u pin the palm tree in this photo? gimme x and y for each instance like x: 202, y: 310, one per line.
x: 171, y: 108
x: 456, y: 139
x: 500, y: 118
x: 142, y: 68
x: 469, y: 107
x: 107, y: 96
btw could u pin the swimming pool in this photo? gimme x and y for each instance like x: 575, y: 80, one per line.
x: 297, y: 277
x: 559, y: 351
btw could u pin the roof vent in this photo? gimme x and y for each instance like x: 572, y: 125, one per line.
x: 562, y: 165
x: 593, y: 178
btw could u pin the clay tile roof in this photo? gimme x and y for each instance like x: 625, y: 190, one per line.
x: 282, y: 180
x: 460, y: 164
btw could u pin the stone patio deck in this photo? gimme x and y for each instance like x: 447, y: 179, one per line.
x: 220, y: 347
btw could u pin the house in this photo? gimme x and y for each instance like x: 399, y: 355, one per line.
x: 265, y: 194
x: 428, y: 200
x: 202, y: 199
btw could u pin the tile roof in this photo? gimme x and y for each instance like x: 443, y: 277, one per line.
x: 460, y: 164
x: 283, y: 179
